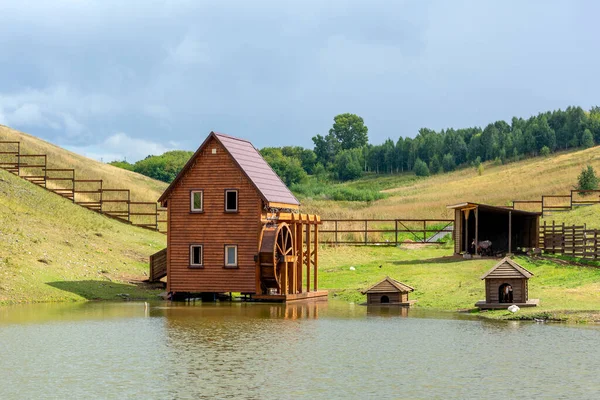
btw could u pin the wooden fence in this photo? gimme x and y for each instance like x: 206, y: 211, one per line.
x: 554, y: 203
x: 385, y: 231
x: 88, y: 193
x: 574, y: 241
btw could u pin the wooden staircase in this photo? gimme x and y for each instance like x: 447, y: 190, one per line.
x: 88, y: 193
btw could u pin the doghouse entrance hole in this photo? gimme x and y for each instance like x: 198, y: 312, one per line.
x: 385, y: 299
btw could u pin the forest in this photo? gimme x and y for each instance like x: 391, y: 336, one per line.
x: 344, y: 153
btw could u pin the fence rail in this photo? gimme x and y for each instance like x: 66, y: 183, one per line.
x: 385, y: 231
x: 89, y: 193
x: 555, y: 203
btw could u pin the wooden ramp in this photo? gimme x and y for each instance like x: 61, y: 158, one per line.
x: 158, y: 266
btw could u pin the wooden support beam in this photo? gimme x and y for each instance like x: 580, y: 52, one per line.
x: 509, y: 232
x: 316, y: 260
x: 300, y: 256
x: 307, y: 258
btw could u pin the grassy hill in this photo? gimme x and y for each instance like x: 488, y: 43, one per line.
x: 412, y: 197
x: 142, y: 188
x: 53, y: 250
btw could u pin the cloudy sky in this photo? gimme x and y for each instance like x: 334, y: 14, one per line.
x: 114, y: 79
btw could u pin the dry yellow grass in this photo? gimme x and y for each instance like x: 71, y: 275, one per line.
x: 499, y: 184
x: 142, y: 188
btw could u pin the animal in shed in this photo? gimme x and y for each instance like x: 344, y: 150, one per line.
x: 483, y: 248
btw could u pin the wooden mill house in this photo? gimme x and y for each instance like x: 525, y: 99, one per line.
x: 234, y: 226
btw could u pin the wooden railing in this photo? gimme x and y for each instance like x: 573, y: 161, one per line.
x: 385, y: 231
x: 574, y: 241
x: 88, y: 193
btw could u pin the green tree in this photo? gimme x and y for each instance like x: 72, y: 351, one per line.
x: 288, y: 168
x: 326, y: 148
x: 545, y: 151
x: 587, y: 179
x: 164, y: 167
x: 435, y: 166
x: 350, y: 131
x: 587, y: 139
x: 348, y: 164
x: 421, y: 168
x: 122, y: 164
x: 448, y: 163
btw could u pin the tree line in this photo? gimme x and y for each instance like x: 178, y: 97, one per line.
x: 345, y: 153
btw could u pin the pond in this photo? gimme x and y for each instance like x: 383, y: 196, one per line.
x: 302, y: 351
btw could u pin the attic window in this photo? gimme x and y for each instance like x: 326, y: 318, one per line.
x: 196, y: 201
x: 214, y: 151
x: 231, y: 200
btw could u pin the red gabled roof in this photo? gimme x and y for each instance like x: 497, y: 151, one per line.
x: 246, y: 156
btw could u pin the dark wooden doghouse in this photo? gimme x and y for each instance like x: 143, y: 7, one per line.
x: 389, y: 291
x: 506, y: 229
x: 234, y: 226
x: 507, y: 283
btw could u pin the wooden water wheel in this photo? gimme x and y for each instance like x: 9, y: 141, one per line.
x: 276, y: 251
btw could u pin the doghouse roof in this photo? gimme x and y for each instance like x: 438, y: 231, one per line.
x: 389, y: 285
x: 507, y: 268
x: 483, y: 207
x: 268, y: 184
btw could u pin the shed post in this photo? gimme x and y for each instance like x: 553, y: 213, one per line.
x: 509, y: 232
x: 467, y: 231
x: 476, y: 229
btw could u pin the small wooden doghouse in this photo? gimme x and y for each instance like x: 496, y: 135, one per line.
x: 507, y: 283
x: 389, y: 291
x: 505, y: 228
x: 234, y: 226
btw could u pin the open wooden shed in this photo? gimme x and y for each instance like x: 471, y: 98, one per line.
x: 507, y: 229
x: 506, y: 283
x: 389, y: 291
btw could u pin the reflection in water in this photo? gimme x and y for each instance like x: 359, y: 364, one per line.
x: 387, y: 311
x: 273, y: 351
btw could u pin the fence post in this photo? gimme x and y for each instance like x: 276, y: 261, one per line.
x: 128, y: 205
x: 156, y: 215
x: 396, y: 221
x: 19, y: 159
x: 336, y: 232
x: 101, y: 198
x: 424, y: 231
x: 366, y: 224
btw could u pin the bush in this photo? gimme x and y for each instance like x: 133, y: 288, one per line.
x: 329, y: 191
x: 480, y: 169
x: 545, y: 151
x: 421, y: 169
x: 587, y: 180
x: 434, y: 165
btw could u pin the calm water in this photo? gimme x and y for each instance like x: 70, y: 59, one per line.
x: 311, y: 351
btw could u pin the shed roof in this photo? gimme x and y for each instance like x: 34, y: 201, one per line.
x: 389, y: 285
x: 507, y: 268
x: 469, y: 206
x: 253, y: 165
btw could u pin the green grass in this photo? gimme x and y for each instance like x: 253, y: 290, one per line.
x: 448, y: 283
x: 53, y: 250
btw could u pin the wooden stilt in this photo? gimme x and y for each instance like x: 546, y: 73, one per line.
x: 308, y: 257
x: 316, y: 259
